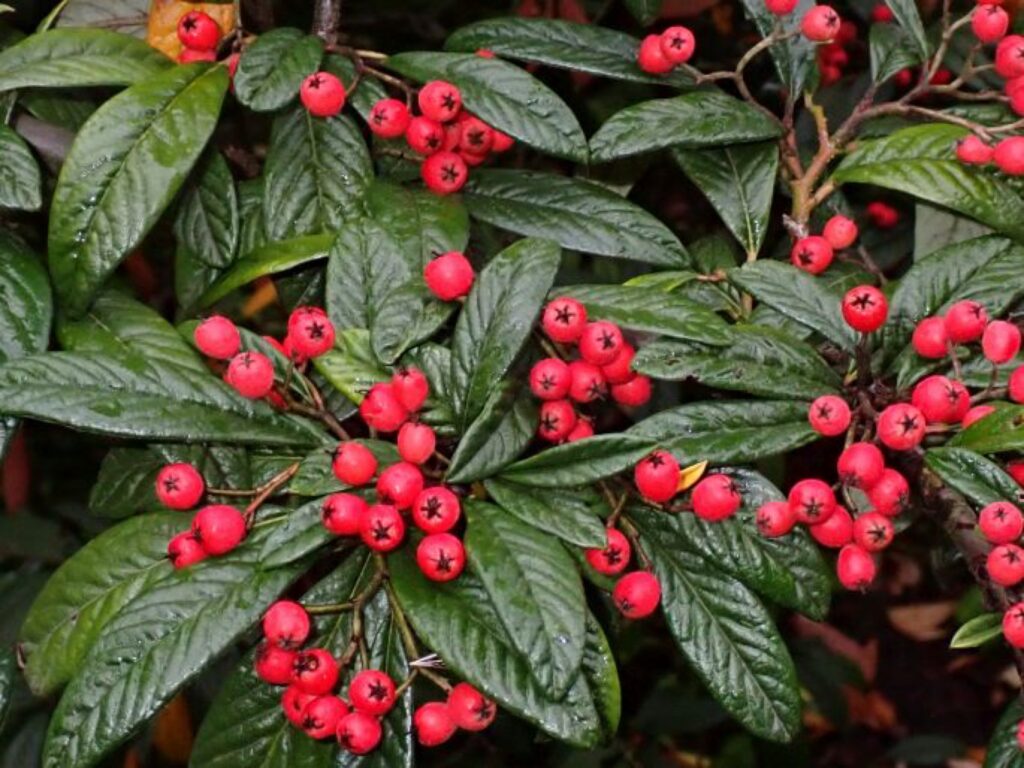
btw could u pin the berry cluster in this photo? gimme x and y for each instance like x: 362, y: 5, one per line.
x: 814, y: 253
x: 216, y: 528
x: 660, y: 54
x: 200, y: 35
x: 605, y: 364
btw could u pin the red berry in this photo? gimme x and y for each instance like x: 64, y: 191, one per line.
x: 411, y: 387
x: 1013, y: 625
x: 564, y: 320
x: 198, y: 31
x: 965, y: 322
x: 322, y: 94
x: 424, y: 136
x: 502, y: 142
x: 274, y: 665
x: 972, y: 150
x: 634, y: 392
x: 477, y: 136
x: 1009, y: 154
x: 1005, y: 565
x: 315, y: 671
x: 1016, y: 385
x: 286, y: 624
x: 860, y: 465
x: 715, y: 498
x: 293, y: 354
x: 444, y: 172
x: 903, y: 78
x: 930, y: 339
x: 891, y: 494
x: 416, y: 442
x: 873, y: 531
x: 354, y: 464
x: 557, y: 419
x: 1001, y: 522
x: 342, y: 513
x: 833, y: 56
x: 382, y: 410
x: 856, y: 568
x: 251, y: 374
x: 218, y: 337
x: 620, y: 370
x: 601, y: 342
x: 383, y: 528
x: 400, y: 484
x: 321, y: 716
x: 183, y: 550
x: 651, y: 59
x: 882, y: 215
x: 233, y: 60
x: 811, y: 254
x: 882, y: 13
x: 470, y: 709
x: 1000, y: 342
x: 840, y: 232
x: 293, y: 701
x: 775, y: 518
x: 550, y: 379
x: 677, y: 44
x: 812, y: 501
x: 836, y: 531
x: 190, y: 55
x: 820, y: 24
x: 1017, y: 101
x: 581, y: 431
x: 977, y: 413
x: 637, y: 594
x: 359, y: 733
x: 436, y: 510
x: 449, y: 276
x: 587, y: 383
x: 179, y: 486
x: 830, y: 74
x: 613, y: 559
x: 829, y: 415
x: 372, y: 691
x: 780, y: 7
x: 219, y: 528
x: 1020, y: 735
x: 865, y: 308
x: 901, y: 427
x: 440, y: 101
x: 441, y: 556
x: 1015, y: 469
x: 939, y: 400
x: 311, y: 331
x: 389, y: 118
x: 433, y: 724
x: 1010, y: 57
x: 657, y: 477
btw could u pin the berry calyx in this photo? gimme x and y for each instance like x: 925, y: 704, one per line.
x: 477, y: 136
x: 614, y: 558
x: 836, y: 531
x: 389, y: 119
x: 1001, y: 342
x: 424, y: 136
x: 840, y: 232
x: 470, y: 709
x: 444, y: 172
x: 860, y: 465
x: 965, y: 322
x: 651, y: 58
x: 1001, y: 522
x: 432, y: 723
x: 637, y: 594
x: 251, y: 374
x: 820, y: 24
x: 315, y: 671
x: 198, y: 31
x: 321, y: 716
x: 354, y: 464
x: 416, y: 442
x: 436, y: 510
x: 873, y: 531
x: 865, y: 308
x: 311, y: 331
x: 829, y: 415
x: 564, y: 320
x: 439, y: 100
x: 812, y: 501
x: 441, y: 557
x: 855, y: 567
x: 342, y: 513
x: 550, y: 379
x: 382, y: 528
x: 587, y: 383
x: 891, y: 494
x: 930, y: 339
x: 775, y: 519
x: 217, y: 337
x: 600, y: 342
x: 184, y: 550
x: 400, y: 484
x: 557, y: 420
x: 812, y: 254
x: 411, y: 387
x: 677, y: 44
x: 1005, y: 565
x: 274, y: 665
x: 634, y: 392
x: 657, y: 477
x: 372, y: 691
x: 901, y: 427
x: 286, y: 624
x: 382, y: 410
x: 179, y: 486
x: 322, y: 94
x: 219, y: 528
x: 449, y: 276
x: 715, y: 498
x: 359, y: 733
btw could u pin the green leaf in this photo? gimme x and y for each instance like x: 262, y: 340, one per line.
x: 316, y: 477
x: 1003, y: 749
x: 497, y: 318
x: 798, y: 296
x: 739, y: 182
x: 644, y: 11
x: 497, y: 437
x: 693, y: 120
x: 504, y: 96
x: 208, y: 221
x: 794, y: 57
x: 724, y: 632
x: 728, y: 432
x: 155, y: 645
x: 274, y: 66
x: 317, y: 168
x: 94, y: 392
x: 890, y: 52
x: 27, y: 307
x: 570, y: 516
x: 575, y: 213
x: 73, y: 58
x: 87, y: 591
x: 362, y: 98
x: 125, y: 167
x: 408, y: 316
x: 57, y: 107
x: 981, y: 480
x: 920, y: 161
x: 20, y: 181
x: 978, y: 631
x: 365, y: 265
x: 535, y: 589
x: 648, y: 311
x: 580, y: 462
x: 351, y: 367
x: 8, y: 680
x: 909, y: 19
x: 996, y: 433
x: 562, y: 44
x: 422, y: 223
x: 299, y: 534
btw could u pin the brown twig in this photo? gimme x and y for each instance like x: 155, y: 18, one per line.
x: 267, y: 490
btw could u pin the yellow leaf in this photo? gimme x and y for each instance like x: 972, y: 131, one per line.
x: 162, y: 29
x: 688, y: 476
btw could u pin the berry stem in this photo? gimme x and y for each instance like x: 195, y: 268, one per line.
x: 267, y: 490
x: 409, y: 640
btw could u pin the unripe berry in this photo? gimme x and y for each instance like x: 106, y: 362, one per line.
x: 557, y: 419
x: 613, y: 559
x: 400, y: 484
x: 620, y: 370
x: 470, y: 709
x: 829, y: 415
x: 977, y: 413
x: 677, y: 44
x: 274, y: 665
x: 1001, y: 342
x: 865, y: 308
x: 965, y: 322
x: 601, y: 342
x: 219, y: 528
x: 342, y: 513
x: 820, y: 24
x: 1015, y: 389
x: 383, y: 528
x: 411, y: 387
x: 184, y: 550
x: 424, y: 136
x: 441, y: 556
x: 321, y: 716
x: 550, y: 379
x: 901, y: 427
x: 780, y: 7
x: 775, y: 518
x: 891, y: 494
x: 715, y: 498
x: 971, y: 150
x: 251, y: 374
x: 322, y: 94
x: 217, y: 337
x: 179, y: 486
x: 416, y: 442
x: 840, y: 232
x: 1001, y: 522
x: 354, y: 464
x: 1013, y: 625
x: 860, y: 465
x: 657, y: 476
x: 812, y: 501
x: 989, y: 23
x: 1005, y: 565
x: 937, y: 399
x: 382, y: 410
x: 286, y: 624
x: 198, y: 31
x: 634, y: 392
x: 372, y: 691
x: 836, y: 531
x: 440, y: 100
x: 930, y: 339
x: 311, y: 331
x: 882, y: 215
x: 587, y: 383
x: 389, y: 118
x: 637, y: 594
x: 856, y: 568
x: 359, y: 733
x: 444, y: 172
x: 449, y: 276
x: 436, y: 510
x: 812, y: 254
x: 651, y: 59
x: 477, y: 136
x: 293, y: 701
x: 873, y: 531
x: 1010, y: 57
x: 564, y: 320
x: 581, y: 431
x: 432, y: 723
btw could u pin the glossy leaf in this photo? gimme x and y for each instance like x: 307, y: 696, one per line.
x: 299, y: 534
x: 495, y: 438
x: 581, y: 462
x: 351, y: 367
x: 8, y: 680
x: 1003, y: 750
x: 569, y: 515
x: 909, y: 19
x: 365, y: 265
x: 891, y: 51
x: 978, y: 631
x: 794, y: 57
x: 20, y: 181
x: 27, y: 306
x: 405, y: 318
x: 274, y: 66
x: 980, y: 480
x: 998, y: 432
x: 208, y: 221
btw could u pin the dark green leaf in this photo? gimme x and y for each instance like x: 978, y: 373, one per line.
x: 496, y: 437
x: 274, y: 66
x: 27, y: 307
x: 1004, y: 751
x: 20, y: 181
x: 581, y: 462
x: 365, y: 265
x: 125, y: 167
x: 362, y: 98
x: 891, y: 52
x: 978, y: 631
x: 981, y: 480
x: 299, y: 534
x: 126, y: 15
x: 909, y: 19
x: 408, y: 316
x: 504, y: 96
x: 208, y: 220
x: 351, y: 367
x: 8, y: 680
x: 58, y: 107
x: 575, y: 213
x: 795, y: 58
x: 570, y: 516
x: 644, y: 11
